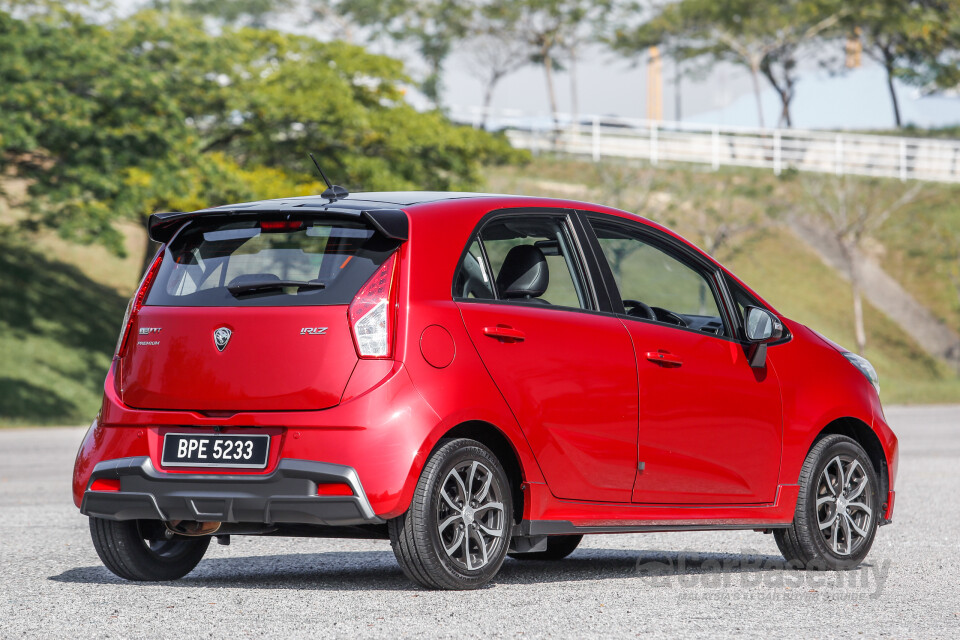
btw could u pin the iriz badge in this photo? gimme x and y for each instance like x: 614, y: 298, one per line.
x: 221, y: 337
x: 313, y: 331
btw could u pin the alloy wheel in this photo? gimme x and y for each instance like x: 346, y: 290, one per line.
x: 843, y: 514
x: 470, y: 515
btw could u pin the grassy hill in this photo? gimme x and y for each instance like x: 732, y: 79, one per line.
x: 61, y: 304
x: 58, y: 327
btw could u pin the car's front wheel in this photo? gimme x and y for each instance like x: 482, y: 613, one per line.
x: 837, y: 509
x: 139, y: 550
x: 456, y: 532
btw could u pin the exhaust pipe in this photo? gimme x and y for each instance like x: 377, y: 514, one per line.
x: 191, y: 528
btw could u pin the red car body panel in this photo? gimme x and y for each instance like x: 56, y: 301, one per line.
x: 578, y: 455
x: 186, y: 374
x: 580, y: 421
x: 711, y: 426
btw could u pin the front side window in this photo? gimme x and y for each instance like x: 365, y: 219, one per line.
x: 655, y: 285
x: 523, y: 260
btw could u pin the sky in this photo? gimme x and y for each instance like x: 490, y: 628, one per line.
x: 608, y: 85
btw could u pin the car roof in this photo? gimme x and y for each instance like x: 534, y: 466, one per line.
x: 355, y: 200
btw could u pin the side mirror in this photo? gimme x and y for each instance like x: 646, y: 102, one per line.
x: 761, y: 327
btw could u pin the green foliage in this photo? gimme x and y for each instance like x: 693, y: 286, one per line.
x: 109, y: 122
x: 915, y: 40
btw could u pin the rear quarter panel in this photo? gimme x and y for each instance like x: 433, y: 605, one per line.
x: 462, y: 391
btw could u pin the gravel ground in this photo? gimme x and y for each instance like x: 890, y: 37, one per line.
x: 700, y: 584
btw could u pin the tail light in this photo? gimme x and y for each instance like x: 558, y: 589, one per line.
x: 372, y: 313
x: 133, y: 307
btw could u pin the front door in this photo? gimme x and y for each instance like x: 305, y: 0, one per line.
x: 710, y: 426
x: 567, y: 372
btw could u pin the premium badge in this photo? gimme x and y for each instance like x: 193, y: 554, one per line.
x: 221, y: 337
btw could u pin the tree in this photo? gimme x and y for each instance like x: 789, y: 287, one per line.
x: 767, y: 38
x: 492, y: 56
x: 109, y: 122
x: 552, y: 27
x: 851, y: 210
x: 495, y: 49
x: 432, y: 26
x: 915, y: 40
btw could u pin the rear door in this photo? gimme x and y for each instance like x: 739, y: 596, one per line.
x: 250, y: 314
x: 710, y: 426
x: 567, y: 371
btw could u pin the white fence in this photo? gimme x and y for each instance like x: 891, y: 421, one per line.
x: 597, y: 137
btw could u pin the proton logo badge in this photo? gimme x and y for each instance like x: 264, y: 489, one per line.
x: 221, y: 337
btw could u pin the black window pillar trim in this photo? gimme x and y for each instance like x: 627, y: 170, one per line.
x: 586, y: 261
x: 608, y: 292
x: 717, y: 283
x: 729, y: 305
x: 486, y: 265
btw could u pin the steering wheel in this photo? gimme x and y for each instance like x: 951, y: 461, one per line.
x: 669, y: 316
x: 645, y: 310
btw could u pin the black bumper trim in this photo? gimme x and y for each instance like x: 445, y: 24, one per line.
x: 288, y: 494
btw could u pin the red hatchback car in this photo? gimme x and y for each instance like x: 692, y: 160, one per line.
x: 471, y: 376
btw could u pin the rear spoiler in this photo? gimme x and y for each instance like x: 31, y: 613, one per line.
x: 391, y: 223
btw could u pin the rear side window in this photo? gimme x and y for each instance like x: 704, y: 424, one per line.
x: 523, y: 259
x: 268, y: 263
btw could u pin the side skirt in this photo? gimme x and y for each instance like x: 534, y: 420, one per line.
x: 565, y: 527
x: 549, y: 515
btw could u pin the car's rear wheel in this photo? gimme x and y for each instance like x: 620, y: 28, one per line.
x: 558, y: 548
x: 456, y: 532
x: 138, y: 550
x: 837, y: 509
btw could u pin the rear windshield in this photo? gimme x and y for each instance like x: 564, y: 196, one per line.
x: 268, y: 263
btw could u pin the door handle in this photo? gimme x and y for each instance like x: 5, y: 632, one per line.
x: 504, y: 333
x: 664, y: 358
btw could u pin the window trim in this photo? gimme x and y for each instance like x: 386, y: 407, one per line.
x: 582, y: 266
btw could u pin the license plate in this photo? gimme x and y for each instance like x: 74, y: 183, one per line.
x: 215, y: 450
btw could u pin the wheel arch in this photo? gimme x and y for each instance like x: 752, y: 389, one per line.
x: 867, y: 438
x: 498, y: 442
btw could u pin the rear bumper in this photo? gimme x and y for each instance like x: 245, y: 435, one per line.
x: 287, y: 495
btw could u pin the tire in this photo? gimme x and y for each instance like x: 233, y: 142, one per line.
x: 439, y: 543
x: 558, y: 548
x: 137, y: 550
x: 837, y: 478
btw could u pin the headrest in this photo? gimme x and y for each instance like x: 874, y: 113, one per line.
x: 524, y: 273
